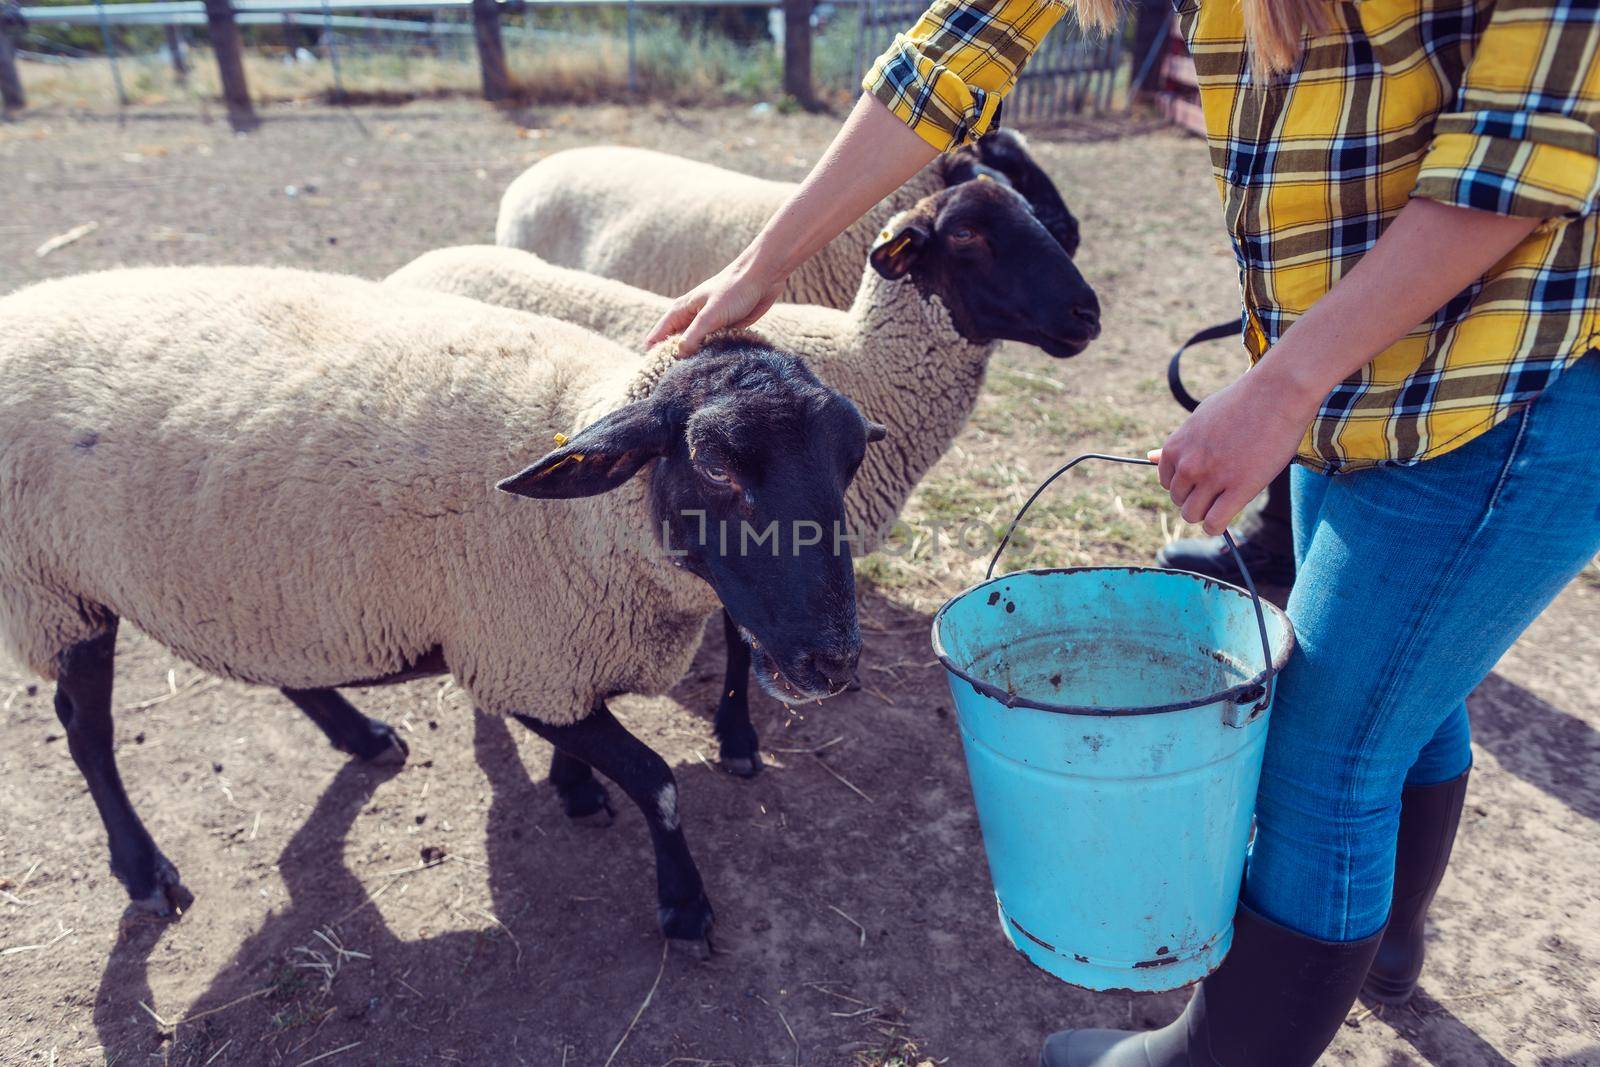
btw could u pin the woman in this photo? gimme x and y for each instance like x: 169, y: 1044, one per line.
x: 1411, y: 189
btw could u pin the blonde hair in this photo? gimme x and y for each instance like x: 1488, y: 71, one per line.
x: 1274, y: 30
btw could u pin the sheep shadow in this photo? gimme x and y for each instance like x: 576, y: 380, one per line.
x: 854, y: 912
x: 329, y: 963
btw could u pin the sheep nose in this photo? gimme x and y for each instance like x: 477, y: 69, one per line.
x: 1089, y: 316
x: 837, y: 669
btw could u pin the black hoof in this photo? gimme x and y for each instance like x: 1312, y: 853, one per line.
x: 166, y: 898
x: 688, y: 923
x: 588, y: 803
x: 382, y: 746
x: 741, y: 766
x: 739, y: 751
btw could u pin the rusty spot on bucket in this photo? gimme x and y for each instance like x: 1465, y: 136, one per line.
x: 1042, y: 944
x: 1159, y: 961
x: 994, y: 598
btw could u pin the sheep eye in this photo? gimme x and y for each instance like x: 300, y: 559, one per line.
x: 714, y: 472
x: 964, y: 235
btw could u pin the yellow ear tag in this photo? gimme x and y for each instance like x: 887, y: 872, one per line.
x: 561, y: 439
x: 985, y: 178
x: 899, y: 246
x: 562, y: 462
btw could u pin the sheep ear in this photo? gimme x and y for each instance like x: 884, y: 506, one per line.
x: 876, y: 431
x: 896, y: 250
x: 971, y: 170
x: 600, y: 458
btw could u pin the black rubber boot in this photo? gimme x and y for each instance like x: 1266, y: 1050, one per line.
x: 1429, y: 815
x: 1265, y: 533
x: 1269, y: 563
x: 1277, y: 1001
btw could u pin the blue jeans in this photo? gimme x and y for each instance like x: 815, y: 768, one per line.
x: 1412, y: 582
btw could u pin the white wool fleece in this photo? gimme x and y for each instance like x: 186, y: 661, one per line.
x: 288, y: 478
x: 666, y: 224
x: 895, y: 352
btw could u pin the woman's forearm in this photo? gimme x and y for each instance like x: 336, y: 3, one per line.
x: 1428, y: 254
x: 1245, y: 433
x: 871, y: 156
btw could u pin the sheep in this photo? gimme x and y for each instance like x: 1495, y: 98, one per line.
x: 285, y: 479
x: 665, y: 223
x: 960, y: 270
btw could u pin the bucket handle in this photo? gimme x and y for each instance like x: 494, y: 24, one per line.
x: 1269, y: 675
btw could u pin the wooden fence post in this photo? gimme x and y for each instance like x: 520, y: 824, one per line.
x: 180, y: 65
x: 491, y: 50
x: 228, y: 46
x: 797, y: 52
x: 11, y: 95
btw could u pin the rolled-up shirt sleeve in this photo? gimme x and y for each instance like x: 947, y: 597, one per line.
x: 1523, y: 136
x: 946, y: 76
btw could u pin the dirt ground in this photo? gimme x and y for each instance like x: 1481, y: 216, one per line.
x: 856, y: 924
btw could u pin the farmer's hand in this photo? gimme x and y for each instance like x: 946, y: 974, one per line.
x: 1228, y: 450
x: 871, y: 156
x: 736, y: 297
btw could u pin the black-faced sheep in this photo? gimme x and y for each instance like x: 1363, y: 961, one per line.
x: 961, y: 270
x: 665, y: 223
x: 288, y: 479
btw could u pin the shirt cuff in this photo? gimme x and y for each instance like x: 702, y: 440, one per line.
x: 927, y: 96
x: 1531, y: 164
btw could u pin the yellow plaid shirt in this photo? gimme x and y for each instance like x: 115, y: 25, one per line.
x: 1492, y: 104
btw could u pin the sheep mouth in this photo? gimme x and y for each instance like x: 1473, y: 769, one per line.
x: 1063, y: 348
x: 779, y: 685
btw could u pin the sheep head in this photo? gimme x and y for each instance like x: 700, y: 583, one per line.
x: 749, y: 459
x: 981, y: 250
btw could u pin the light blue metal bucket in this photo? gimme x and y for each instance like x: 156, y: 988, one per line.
x: 1113, y: 720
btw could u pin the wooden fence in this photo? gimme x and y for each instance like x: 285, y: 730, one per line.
x: 222, y: 19
x: 1070, y: 74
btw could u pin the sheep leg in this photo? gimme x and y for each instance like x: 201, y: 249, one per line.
x: 347, y: 729
x: 583, y: 797
x: 603, y: 743
x: 83, y: 704
x: 740, y: 747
